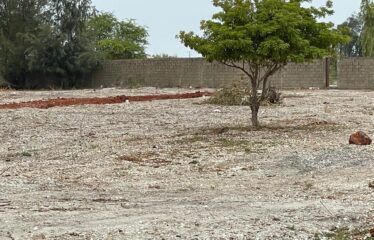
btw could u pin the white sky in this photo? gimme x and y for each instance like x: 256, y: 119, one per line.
x: 165, y: 18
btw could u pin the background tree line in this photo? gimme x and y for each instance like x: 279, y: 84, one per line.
x: 62, y: 39
x: 66, y: 40
x: 360, y: 27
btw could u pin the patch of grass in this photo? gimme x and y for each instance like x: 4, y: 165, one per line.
x: 93, y: 146
x: 193, y: 139
x: 308, y: 185
x: 226, y: 142
x: 5, y: 89
x: 282, y: 126
x: 131, y: 158
x: 248, y: 146
x: 26, y: 154
x: 293, y: 96
x: 144, y: 159
x: 311, y: 126
x: 346, y: 234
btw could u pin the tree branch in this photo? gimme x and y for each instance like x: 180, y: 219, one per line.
x: 242, y: 68
x: 264, y: 79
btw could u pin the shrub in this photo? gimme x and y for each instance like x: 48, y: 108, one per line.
x: 237, y: 94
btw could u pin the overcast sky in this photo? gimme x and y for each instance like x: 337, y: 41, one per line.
x: 165, y: 18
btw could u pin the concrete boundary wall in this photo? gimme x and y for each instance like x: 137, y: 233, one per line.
x: 356, y: 73
x: 197, y: 72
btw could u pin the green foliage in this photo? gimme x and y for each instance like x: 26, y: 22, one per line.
x: 367, y: 34
x: 259, y: 37
x: 18, y: 20
x: 346, y: 234
x: 26, y: 154
x: 45, y: 38
x: 265, y: 32
x: 64, y: 49
x: 63, y: 39
x: 351, y: 27
x: 117, y: 39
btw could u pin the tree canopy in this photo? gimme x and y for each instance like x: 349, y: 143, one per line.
x: 352, y: 27
x: 367, y: 34
x: 116, y: 39
x: 259, y: 37
x: 62, y: 48
x: 19, y: 19
x: 61, y: 39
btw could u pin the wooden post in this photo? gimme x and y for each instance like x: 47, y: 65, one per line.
x: 327, y: 61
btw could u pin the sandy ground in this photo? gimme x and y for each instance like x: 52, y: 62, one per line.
x: 178, y: 169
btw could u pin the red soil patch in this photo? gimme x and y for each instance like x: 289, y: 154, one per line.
x: 62, y: 102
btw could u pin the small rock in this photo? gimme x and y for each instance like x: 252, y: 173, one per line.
x: 371, y: 184
x: 217, y: 111
x: 360, y: 138
x: 372, y: 232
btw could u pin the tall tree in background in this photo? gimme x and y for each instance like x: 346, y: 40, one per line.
x: 351, y: 27
x: 367, y: 34
x: 259, y: 37
x: 46, y: 38
x: 117, y: 39
x: 62, y: 40
x: 63, y: 48
x: 19, y: 20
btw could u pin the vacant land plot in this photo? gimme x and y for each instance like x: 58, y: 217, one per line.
x: 178, y: 169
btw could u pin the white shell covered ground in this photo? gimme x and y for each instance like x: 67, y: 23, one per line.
x: 178, y: 169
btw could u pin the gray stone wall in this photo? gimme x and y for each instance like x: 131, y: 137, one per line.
x: 356, y: 73
x: 196, y: 72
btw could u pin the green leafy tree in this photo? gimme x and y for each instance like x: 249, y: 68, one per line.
x: 367, y: 34
x: 46, y: 38
x: 63, y: 48
x: 259, y: 37
x: 352, y: 27
x: 118, y: 39
x: 19, y: 20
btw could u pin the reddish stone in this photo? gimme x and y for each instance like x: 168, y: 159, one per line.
x: 360, y: 138
x: 372, y: 232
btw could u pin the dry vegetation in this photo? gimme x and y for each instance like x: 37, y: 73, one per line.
x: 175, y: 169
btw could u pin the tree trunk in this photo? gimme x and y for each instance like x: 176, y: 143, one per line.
x: 255, y: 107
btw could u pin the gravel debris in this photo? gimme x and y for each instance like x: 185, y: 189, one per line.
x: 180, y: 169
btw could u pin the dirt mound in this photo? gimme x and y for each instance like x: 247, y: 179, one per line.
x: 62, y: 102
